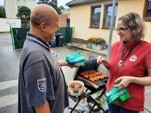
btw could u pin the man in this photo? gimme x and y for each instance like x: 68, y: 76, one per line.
x: 42, y: 87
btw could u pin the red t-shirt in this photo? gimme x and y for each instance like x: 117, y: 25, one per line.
x: 135, y: 64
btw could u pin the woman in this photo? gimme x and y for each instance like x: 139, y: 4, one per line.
x: 130, y: 63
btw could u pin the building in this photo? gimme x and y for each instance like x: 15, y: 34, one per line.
x: 91, y: 18
x: 63, y: 20
x: 11, y: 6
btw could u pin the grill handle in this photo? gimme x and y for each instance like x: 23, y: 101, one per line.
x: 91, y: 83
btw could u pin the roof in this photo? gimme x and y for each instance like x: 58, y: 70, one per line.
x: 80, y: 2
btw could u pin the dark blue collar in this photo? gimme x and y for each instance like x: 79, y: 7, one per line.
x: 34, y: 38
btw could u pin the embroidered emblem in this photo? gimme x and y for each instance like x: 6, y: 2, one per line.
x: 133, y: 58
x: 41, y: 84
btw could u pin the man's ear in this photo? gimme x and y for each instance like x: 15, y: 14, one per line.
x: 42, y: 26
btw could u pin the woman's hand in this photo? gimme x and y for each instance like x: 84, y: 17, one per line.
x: 123, y: 81
x: 102, y: 60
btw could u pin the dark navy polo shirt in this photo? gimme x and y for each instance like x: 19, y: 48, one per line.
x: 40, y: 78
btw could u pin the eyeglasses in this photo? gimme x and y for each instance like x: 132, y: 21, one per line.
x: 121, y: 29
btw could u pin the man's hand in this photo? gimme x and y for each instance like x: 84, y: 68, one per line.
x: 64, y: 63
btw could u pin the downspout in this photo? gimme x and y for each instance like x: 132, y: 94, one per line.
x: 111, y: 29
x: 6, y: 8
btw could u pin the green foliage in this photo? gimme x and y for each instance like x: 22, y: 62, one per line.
x: 42, y: 1
x: 55, y: 1
x: 61, y: 8
x: 96, y: 40
x: 47, y: 1
x: 52, y: 4
x: 2, y: 12
x: 23, y: 12
x: 55, y: 7
x: 100, y: 41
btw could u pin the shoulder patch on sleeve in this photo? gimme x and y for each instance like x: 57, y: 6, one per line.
x: 41, y: 84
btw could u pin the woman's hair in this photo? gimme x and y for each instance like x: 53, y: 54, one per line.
x: 135, y: 23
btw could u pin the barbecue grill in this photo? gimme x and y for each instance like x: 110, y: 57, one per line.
x: 90, y: 86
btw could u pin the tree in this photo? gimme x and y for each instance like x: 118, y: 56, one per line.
x: 61, y: 7
x: 42, y: 1
x: 55, y: 7
x: 52, y: 3
x: 2, y: 12
x: 46, y: 1
x: 24, y: 14
x: 55, y: 1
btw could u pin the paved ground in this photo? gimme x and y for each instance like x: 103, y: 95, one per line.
x: 9, y: 63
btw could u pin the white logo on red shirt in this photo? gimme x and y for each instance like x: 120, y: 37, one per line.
x: 133, y: 58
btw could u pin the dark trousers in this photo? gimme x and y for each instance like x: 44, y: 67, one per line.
x: 118, y: 109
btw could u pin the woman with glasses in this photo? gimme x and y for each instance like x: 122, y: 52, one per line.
x: 130, y: 63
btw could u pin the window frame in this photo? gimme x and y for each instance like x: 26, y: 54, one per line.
x: 94, y: 26
x: 104, y: 16
x: 145, y: 11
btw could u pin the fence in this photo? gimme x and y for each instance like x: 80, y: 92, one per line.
x: 67, y: 33
x: 18, y: 35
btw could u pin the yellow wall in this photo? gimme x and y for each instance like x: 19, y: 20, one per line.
x: 148, y: 32
x: 80, y: 19
x: 125, y: 6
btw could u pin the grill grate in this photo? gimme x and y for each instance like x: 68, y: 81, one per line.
x: 89, y: 65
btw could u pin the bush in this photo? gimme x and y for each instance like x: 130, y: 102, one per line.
x: 96, y: 40
x: 24, y: 14
x: 99, y: 41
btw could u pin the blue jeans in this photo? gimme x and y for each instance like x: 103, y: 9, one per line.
x: 118, y: 109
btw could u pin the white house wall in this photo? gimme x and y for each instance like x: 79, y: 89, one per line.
x: 5, y: 24
x: 11, y: 6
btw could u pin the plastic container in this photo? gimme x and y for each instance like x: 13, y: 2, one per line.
x: 116, y: 95
x: 59, y: 39
x: 75, y: 88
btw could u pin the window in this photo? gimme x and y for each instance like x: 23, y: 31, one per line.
x: 107, y: 16
x: 95, y: 16
x: 147, y: 10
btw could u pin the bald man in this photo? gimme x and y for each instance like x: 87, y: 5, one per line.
x: 42, y: 87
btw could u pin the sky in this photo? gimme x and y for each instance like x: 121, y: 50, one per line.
x: 60, y: 2
x: 1, y: 2
x: 63, y: 2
